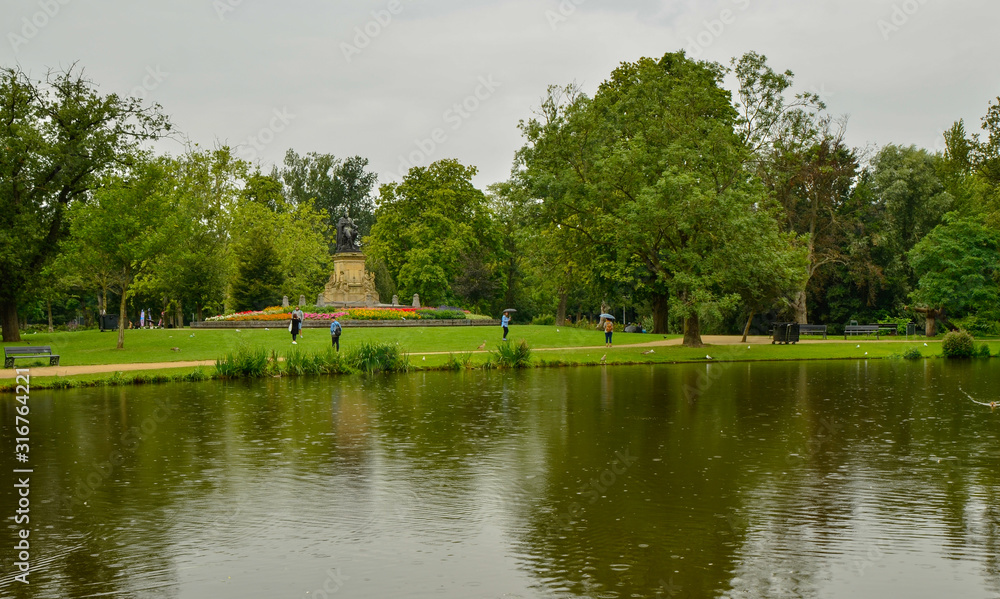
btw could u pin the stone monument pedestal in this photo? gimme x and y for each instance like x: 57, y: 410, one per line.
x: 349, y: 282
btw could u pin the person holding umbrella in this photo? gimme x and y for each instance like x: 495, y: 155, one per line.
x: 609, y: 328
x: 505, y: 321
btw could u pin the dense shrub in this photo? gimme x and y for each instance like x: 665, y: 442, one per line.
x: 957, y: 344
x: 544, y: 319
x: 978, y: 325
x: 983, y: 351
x: 912, y: 354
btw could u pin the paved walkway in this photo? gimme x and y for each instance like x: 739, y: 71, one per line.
x: 9, y: 373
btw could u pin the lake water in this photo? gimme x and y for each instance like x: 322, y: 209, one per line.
x: 821, y: 479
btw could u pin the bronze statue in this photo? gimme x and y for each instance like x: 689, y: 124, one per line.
x: 347, y: 235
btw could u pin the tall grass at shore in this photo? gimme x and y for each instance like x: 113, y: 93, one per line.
x: 511, y: 355
x: 376, y: 356
x: 246, y: 361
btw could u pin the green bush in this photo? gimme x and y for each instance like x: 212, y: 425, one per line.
x: 544, y: 319
x: 375, y: 356
x: 957, y: 344
x: 983, y: 351
x: 511, y: 355
x: 912, y: 354
x: 978, y: 325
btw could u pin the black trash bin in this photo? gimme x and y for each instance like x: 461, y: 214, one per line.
x: 911, y: 328
x: 785, y: 332
x: 109, y: 322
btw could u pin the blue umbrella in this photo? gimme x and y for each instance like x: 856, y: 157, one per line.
x: 607, y: 316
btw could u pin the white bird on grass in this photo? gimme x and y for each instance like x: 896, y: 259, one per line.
x: 603, y: 358
x: 647, y: 352
x: 859, y: 345
x: 708, y: 357
x: 482, y: 345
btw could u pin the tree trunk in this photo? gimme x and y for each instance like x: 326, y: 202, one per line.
x: 661, y: 313
x: 199, y: 314
x: 509, y: 293
x: 800, y: 308
x: 48, y: 306
x: 746, y: 329
x: 121, y: 323
x: 179, y: 316
x: 930, y: 327
x: 692, y: 332
x: 561, y: 310
x: 8, y: 320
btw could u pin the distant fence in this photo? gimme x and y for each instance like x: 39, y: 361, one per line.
x: 319, y: 324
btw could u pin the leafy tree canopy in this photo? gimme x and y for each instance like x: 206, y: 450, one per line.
x: 434, y: 232
x: 58, y: 137
x: 958, y: 264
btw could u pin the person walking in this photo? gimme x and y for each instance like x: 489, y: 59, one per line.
x: 609, y: 328
x: 296, y: 325
x: 142, y: 319
x: 335, y: 330
x: 504, y: 321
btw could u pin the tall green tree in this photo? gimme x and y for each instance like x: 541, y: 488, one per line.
x: 653, y: 173
x: 58, y: 137
x: 121, y: 230
x: 958, y: 265
x: 798, y: 151
x: 334, y: 184
x: 194, y: 270
x: 259, y: 279
x: 433, y: 231
x: 297, y: 235
x: 898, y: 199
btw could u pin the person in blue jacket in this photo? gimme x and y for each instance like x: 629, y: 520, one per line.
x: 504, y: 321
x: 335, y: 330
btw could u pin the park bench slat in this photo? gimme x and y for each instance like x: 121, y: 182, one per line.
x: 30, y: 351
x: 861, y: 329
x: 808, y: 329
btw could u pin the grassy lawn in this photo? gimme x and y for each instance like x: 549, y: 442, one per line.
x: 550, y: 345
x: 93, y: 347
x: 677, y: 353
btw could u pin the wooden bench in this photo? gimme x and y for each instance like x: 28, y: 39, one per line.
x: 861, y: 329
x: 32, y: 351
x: 813, y: 329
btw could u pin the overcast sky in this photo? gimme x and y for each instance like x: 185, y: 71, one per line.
x: 406, y: 83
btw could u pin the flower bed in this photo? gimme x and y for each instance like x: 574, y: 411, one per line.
x: 277, y: 313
